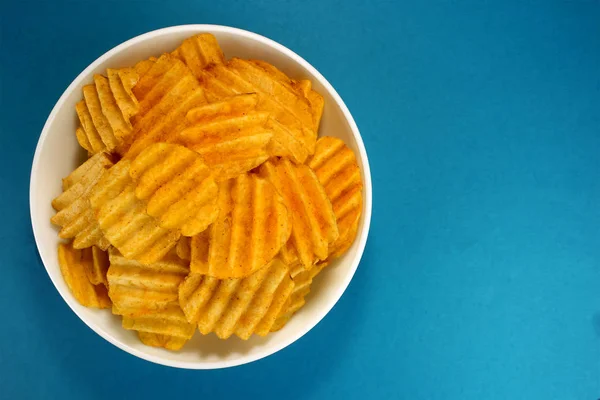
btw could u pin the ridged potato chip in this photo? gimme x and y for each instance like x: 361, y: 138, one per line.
x: 252, y: 225
x: 230, y: 135
x: 166, y: 93
x: 336, y: 167
x: 146, y: 296
x: 177, y: 186
x: 240, y: 306
x: 302, y: 282
x: 291, y: 117
x: 75, y: 215
x: 123, y: 219
x: 200, y: 51
x: 314, y: 227
x: 74, y: 265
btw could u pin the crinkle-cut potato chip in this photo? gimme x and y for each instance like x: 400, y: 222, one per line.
x: 314, y: 227
x: 302, y: 282
x: 146, y: 296
x: 177, y: 186
x: 183, y: 249
x: 166, y: 93
x: 123, y: 219
x: 293, y: 133
x: 252, y: 226
x: 240, y: 306
x: 200, y: 51
x: 230, y: 135
x: 98, y: 267
x: 173, y: 343
x: 75, y: 215
x: 73, y: 266
x: 105, y: 111
x: 337, y: 169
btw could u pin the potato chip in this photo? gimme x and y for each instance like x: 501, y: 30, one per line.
x: 240, y: 306
x: 123, y: 219
x: 314, y: 226
x: 146, y: 296
x: 73, y: 266
x: 166, y: 93
x: 230, y: 135
x: 177, y: 186
x: 302, y: 282
x: 183, y: 249
x: 199, y: 51
x: 96, y: 269
x: 336, y: 167
x: 292, y: 127
x: 252, y: 225
x: 75, y: 215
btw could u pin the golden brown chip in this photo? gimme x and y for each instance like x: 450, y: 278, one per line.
x: 237, y: 306
x: 73, y: 268
x: 147, y: 298
x: 97, y: 268
x: 199, y: 51
x: 177, y: 186
x: 123, y: 219
x: 121, y: 82
x: 230, y: 135
x: 166, y: 93
x: 183, y: 249
x: 293, y: 133
x: 302, y: 282
x: 314, y: 226
x: 336, y: 167
x: 75, y: 215
x: 252, y: 226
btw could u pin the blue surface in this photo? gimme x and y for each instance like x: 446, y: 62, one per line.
x: 481, y: 277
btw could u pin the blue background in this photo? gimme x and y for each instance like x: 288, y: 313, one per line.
x: 481, y: 276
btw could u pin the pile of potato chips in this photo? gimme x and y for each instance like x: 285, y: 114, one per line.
x: 207, y: 200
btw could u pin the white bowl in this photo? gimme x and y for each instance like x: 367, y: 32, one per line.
x: 58, y: 153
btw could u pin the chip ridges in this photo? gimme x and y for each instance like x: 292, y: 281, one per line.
x: 200, y: 51
x: 314, y: 226
x: 177, y: 186
x: 75, y: 215
x: 123, y: 219
x: 293, y: 129
x: 337, y: 169
x: 166, y: 93
x: 74, y: 265
x: 252, y: 225
x: 230, y: 134
x: 146, y: 296
x: 240, y: 306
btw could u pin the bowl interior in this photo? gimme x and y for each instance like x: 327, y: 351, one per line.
x: 58, y: 153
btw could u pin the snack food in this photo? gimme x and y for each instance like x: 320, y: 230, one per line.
x: 207, y: 202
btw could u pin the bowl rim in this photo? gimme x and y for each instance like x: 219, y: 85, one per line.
x: 341, y: 288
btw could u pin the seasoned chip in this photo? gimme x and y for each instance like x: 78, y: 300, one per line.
x: 73, y: 266
x: 75, y: 215
x: 123, y: 219
x: 302, y: 282
x: 166, y: 93
x: 183, y: 249
x: 314, y: 226
x: 96, y: 269
x: 199, y: 51
x: 252, y: 225
x: 230, y: 135
x: 177, y: 186
x: 336, y: 167
x: 237, y: 306
x: 293, y: 133
x: 147, y: 298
